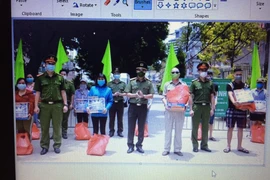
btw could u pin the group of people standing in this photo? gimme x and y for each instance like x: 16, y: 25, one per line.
x: 52, y: 97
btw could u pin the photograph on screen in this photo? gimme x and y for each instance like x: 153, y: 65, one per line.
x: 229, y: 48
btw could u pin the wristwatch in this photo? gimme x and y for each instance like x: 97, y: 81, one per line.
x: 66, y: 105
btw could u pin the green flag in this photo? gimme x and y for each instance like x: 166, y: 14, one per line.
x: 171, y: 62
x: 19, y: 63
x: 255, y: 66
x: 106, y: 61
x: 61, y: 57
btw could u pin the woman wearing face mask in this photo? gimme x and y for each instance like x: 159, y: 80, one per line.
x: 24, y: 95
x: 101, y: 90
x: 30, y: 82
x: 81, y: 93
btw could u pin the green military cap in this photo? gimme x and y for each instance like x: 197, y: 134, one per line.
x: 141, y: 64
x: 203, y: 65
x: 50, y: 59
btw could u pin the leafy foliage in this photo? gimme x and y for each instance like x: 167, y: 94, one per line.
x: 130, y: 42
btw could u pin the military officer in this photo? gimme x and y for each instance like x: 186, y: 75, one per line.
x: 139, y: 90
x: 118, y: 88
x: 202, y: 106
x: 50, y: 90
x: 70, y: 91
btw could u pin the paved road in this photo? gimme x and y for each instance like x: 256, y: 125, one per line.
x: 74, y: 151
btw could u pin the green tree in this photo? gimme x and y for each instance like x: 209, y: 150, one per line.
x: 225, y: 41
x: 181, y: 58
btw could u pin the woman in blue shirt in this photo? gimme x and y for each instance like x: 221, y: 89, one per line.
x: 102, y: 91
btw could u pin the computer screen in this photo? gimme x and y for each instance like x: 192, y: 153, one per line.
x: 143, y: 30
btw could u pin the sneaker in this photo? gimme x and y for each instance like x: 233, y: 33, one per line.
x: 212, y: 139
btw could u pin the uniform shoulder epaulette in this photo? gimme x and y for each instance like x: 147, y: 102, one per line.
x: 133, y: 78
x: 147, y: 79
x: 196, y: 79
x: 40, y: 74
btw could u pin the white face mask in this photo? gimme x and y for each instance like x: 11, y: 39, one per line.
x: 203, y: 74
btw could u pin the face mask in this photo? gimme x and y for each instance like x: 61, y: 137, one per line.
x: 259, y: 85
x: 21, y: 86
x: 29, y: 80
x: 140, y: 74
x: 101, y: 82
x: 65, y: 77
x: 203, y: 74
x: 50, y: 67
x: 116, y: 76
x: 238, y: 78
x: 175, y: 76
x: 82, y: 86
x: 209, y: 78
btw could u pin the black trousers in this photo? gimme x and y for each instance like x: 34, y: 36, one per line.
x: 117, y: 109
x: 99, y: 123
x: 82, y: 117
x: 136, y: 113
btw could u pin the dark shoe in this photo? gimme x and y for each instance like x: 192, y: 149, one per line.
x: 51, y: 137
x: 57, y: 150
x: 195, y: 150
x: 43, y: 151
x: 120, y: 134
x: 178, y: 153
x: 165, y: 153
x: 140, y: 150
x: 130, y: 150
x: 212, y: 139
x: 64, y: 136
x: 206, y: 149
x: 111, y: 134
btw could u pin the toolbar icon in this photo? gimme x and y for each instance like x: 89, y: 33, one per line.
x: 75, y: 5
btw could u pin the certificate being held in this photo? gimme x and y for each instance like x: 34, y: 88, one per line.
x: 96, y: 104
x: 81, y: 105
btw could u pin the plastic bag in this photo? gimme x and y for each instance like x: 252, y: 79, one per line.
x: 97, y: 144
x: 178, y: 98
x: 247, y: 106
x: 23, y: 144
x: 257, y: 133
x: 145, y: 130
x: 35, y: 132
x: 81, y: 131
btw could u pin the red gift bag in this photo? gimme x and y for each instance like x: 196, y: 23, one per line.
x: 199, y: 132
x: 145, y: 130
x: 97, y: 144
x: 257, y: 133
x: 81, y: 131
x: 23, y: 144
x: 35, y: 132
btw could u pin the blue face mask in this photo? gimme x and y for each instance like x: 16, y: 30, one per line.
x: 259, y: 85
x: 29, y: 80
x: 21, y: 86
x: 83, y: 86
x: 50, y: 67
x: 116, y: 76
x: 101, y: 82
x: 238, y: 78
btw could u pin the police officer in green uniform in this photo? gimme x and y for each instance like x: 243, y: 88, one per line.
x: 118, y: 88
x: 139, y: 90
x: 70, y: 91
x: 202, y: 106
x: 51, y: 93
